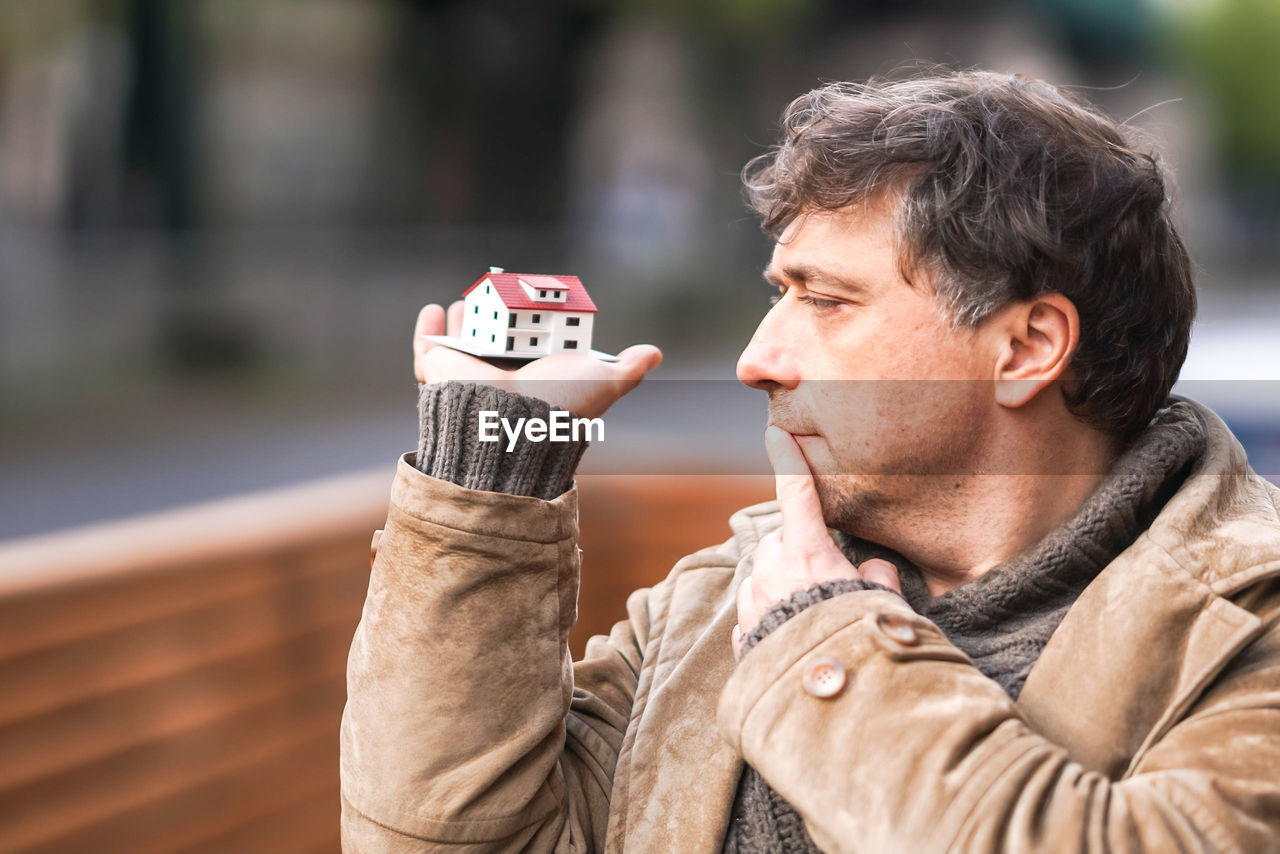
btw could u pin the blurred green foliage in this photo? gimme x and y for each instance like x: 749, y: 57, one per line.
x: 1233, y: 47
x: 32, y: 28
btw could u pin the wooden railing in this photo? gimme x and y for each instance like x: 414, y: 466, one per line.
x: 175, y: 683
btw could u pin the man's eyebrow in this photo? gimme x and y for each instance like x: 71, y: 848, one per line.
x: 805, y: 274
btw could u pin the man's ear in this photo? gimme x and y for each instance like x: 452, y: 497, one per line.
x: 1034, y: 341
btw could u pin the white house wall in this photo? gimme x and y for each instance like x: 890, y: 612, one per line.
x: 484, y: 318
x: 551, y: 330
x: 525, y: 329
x: 561, y: 332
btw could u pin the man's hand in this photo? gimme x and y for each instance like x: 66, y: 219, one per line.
x: 800, y: 554
x: 579, y: 383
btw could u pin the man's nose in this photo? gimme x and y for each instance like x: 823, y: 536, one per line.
x: 769, y: 361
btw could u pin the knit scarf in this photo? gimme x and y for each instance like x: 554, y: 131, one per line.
x: 1003, y: 619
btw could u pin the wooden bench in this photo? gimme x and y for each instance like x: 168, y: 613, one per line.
x: 175, y: 683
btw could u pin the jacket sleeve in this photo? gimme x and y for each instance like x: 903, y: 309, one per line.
x: 908, y: 747
x: 467, y: 728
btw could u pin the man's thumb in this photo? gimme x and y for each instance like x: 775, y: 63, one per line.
x: 881, y: 572
x: 638, y: 360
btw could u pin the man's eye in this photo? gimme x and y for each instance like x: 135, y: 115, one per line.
x: 817, y: 303
x: 820, y: 304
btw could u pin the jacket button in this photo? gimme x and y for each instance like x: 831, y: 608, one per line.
x: 898, y: 628
x: 824, y: 678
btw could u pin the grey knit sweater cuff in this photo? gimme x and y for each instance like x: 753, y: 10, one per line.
x: 449, y: 446
x: 798, y: 601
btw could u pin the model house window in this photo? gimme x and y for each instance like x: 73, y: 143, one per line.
x: 511, y: 342
x: 533, y: 342
x: 477, y: 310
x: 542, y: 294
x: 536, y: 318
x: 473, y: 333
x: 572, y: 321
x: 511, y: 321
x: 487, y: 290
x: 571, y: 345
x: 495, y: 315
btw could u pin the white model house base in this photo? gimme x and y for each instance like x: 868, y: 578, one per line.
x: 465, y: 347
x: 525, y: 316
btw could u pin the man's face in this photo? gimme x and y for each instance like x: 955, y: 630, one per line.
x: 863, y: 369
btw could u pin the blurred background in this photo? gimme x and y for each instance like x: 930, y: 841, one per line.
x: 218, y: 219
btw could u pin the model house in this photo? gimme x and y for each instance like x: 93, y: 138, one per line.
x: 526, y: 316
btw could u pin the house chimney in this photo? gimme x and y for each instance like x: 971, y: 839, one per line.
x: 496, y: 270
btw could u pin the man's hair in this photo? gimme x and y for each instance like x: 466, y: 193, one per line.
x: 1008, y: 188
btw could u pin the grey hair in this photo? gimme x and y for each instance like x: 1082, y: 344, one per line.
x: 1007, y: 188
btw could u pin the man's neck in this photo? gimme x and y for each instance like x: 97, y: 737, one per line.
x: 966, y: 526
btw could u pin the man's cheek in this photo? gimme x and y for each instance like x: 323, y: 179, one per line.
x: 833, y: 455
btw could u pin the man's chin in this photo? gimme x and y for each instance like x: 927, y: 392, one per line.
x: 848, y: 501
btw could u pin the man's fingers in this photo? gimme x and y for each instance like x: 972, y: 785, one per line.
x: 640, y: 357
x: 430, y: 321
x: 881, y: 572
x: 797, y: 494
x: 455, y: 319
x: 438, y: 363
x: 636, y: 361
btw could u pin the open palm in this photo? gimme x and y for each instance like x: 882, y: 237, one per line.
x: 580, y: 383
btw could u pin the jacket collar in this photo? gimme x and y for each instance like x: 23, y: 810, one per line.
x: 1156, y: 626
x: 1222, y: 527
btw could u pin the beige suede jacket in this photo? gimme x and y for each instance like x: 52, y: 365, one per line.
x: 1150, y: 722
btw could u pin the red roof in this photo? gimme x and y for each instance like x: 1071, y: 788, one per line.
x: 513, y: 296
x: 550, y: 283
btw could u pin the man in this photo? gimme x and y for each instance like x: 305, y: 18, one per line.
x: 1012, y: 596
